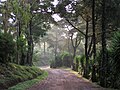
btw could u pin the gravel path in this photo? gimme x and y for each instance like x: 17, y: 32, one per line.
x: 59, y: 79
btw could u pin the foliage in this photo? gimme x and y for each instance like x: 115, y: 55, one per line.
x: 27, y: 84
x: 57, y: 62
x: 77, y: 59
x: 25, y: 21
x: 36, y: 56
x: 52, y: 64
x: 40, y: 58
x: 7, y: 48
x: 64, y: 59
x: 112, y: 66
x: 115, y: 48
x: 22, y: 13
x: 82, y: 61
x: 77, y: 62
x: 12, y: 74
x: 115, y: 59
x: 31, y: 19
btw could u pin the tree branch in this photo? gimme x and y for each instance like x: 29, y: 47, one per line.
x: 75, y: 27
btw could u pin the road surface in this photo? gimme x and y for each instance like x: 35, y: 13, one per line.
x: 60, y: 79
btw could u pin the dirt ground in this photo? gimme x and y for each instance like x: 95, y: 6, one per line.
x: 60, y: 79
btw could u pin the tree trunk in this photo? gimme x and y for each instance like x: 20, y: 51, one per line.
x: 103, y: 36
x: 74, y: 52
x: 30, y: 45
x: 56, y: 45
x: 44, y: 48
x: 90, y: 47
x: 18, y: 49
x: 5, y: 19
x: 74, y: 45
x: 94, y: 36
x: 94, y: 42
x: 23, y: 56
x: 68, y: 45
x: 86, y: 53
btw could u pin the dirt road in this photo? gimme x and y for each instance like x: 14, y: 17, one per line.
x: 60, y: 79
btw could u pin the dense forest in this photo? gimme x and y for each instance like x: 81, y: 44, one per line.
x: 83, y: 35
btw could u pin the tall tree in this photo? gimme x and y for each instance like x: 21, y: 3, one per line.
x: 75, y: 43
x: 104, y: 49
x: 94, y: 41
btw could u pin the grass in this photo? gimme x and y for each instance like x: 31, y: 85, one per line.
x: 27, y: 84
x: 12, y: 74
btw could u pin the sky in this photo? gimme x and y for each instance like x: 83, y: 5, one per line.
x: 55, y: 2
x: 2, y: 0
x: 56, y: 16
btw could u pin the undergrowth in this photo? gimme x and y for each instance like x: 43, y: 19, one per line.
x: 12, y: 74
x: 27, y: 84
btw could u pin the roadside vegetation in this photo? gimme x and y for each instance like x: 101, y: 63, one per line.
x: 12, y: 74
x: 81, y: 34
x: 29, y: 83
x: 61, y: 60
x: 79, y: 64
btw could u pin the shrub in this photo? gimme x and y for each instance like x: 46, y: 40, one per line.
x: 113, y: 62
x: 66, y: 59
x: 52, y: 64
x: 77, y: 62
x: 63, y: 59
x: 57, y: 62
x: 6, y: 47
x: 115, y: 49
x: 115, y: 58
x: 82, y: 64
x: 12, y: 74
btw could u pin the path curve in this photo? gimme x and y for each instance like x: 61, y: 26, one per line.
x: 59, y: 79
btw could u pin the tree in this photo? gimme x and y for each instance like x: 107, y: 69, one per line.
x: 104, y: 53
x: 75, y: 42
x: 24, y: 25
x: 94, y: 41
x: 7, y: 49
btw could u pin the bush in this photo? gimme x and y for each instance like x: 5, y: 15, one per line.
x: 27, y: 84
x: 66, y: 59
x: 52, y: 64
x: 63, y: 59
x: 113, y: 62
x: 81, y: 67
x: 115, y: 59
x: 115, y: 49
x: 11, y: 74
x: 6, y: 48
x: 57, y: 62
x: 77, y: 62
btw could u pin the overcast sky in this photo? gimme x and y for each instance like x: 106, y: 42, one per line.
x: 2, y: 0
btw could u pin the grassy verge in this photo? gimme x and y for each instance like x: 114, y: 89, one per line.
x: 27, y: 84
x: 12, y: 74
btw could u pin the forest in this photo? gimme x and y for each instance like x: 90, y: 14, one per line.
x: 80, y: 35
